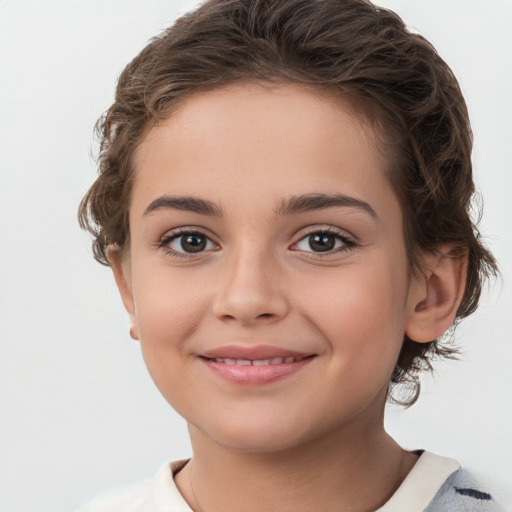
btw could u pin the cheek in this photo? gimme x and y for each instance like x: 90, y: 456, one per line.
x: 168, y: 311
x: 361, y: 312
x: 167, y: 317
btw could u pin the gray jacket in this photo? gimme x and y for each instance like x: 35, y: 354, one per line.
x: 460, y: 493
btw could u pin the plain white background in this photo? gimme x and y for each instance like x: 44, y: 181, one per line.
x: 78, y: 413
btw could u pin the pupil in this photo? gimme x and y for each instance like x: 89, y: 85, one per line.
x: 193, y: 243
x: 321, y: 242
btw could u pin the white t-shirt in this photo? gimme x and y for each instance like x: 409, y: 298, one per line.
x: 428, y: 476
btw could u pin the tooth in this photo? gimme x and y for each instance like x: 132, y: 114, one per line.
x: 257, y: 362
x: 261, y: 362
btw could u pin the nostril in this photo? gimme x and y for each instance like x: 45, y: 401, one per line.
x: 249, y: 303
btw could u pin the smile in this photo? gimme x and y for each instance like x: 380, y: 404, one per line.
x: 256, y: 369
x: 257, y: 362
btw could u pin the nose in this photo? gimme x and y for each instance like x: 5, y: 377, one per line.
x: 250, y: 291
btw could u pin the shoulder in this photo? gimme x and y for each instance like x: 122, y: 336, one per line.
x: 159, y: 494
x: 462, y: 492
x: 438, y: 484
x: 131, y: 499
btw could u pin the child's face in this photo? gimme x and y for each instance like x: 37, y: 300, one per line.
x: 264, y: 269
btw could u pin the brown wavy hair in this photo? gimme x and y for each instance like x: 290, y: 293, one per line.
x: 394, y: 78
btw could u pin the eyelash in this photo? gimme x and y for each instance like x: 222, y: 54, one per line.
x: 170, y: 237
x: 347, y: 242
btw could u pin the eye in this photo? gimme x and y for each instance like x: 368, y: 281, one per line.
x: 324, y: 242
x: 187, y: 242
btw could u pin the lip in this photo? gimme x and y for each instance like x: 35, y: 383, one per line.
x: 252, y: 352
x: 254, y: 375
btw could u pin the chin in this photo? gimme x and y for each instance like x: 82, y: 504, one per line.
x: 257, y: 443
x: 257, y: 437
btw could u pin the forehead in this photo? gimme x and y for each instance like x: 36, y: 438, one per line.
x: 275, y: 140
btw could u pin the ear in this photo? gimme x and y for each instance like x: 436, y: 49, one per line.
x: 122, y: 273
x: 435, y: 295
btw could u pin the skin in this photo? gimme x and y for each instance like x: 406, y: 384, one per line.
x: 312, y: 440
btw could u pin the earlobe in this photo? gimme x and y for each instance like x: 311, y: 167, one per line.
x: 436, y: 294
x: 121, y: 268
x: 134, y: 332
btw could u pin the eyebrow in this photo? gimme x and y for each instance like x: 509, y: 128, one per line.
x: 291, y: 206
x: 185, y: 203
x: 311, y: 202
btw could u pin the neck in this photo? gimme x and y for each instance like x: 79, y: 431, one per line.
x: 330, y: 474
